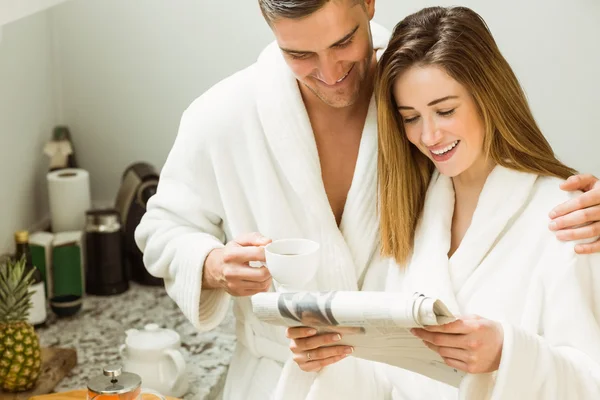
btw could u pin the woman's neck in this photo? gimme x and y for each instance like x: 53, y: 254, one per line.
x: 470, y: 183
x: 467, y: 188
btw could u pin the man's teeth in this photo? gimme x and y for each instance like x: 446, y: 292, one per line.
x: 445, y: 149
x: 343, y: 77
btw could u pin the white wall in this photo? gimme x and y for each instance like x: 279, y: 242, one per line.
x: 13, y: 10
x: 27, y: 116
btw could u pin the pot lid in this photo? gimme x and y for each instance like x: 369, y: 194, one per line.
x: 114, y: 381
x: 151, y: 337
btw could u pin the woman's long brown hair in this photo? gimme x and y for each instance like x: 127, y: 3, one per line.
x: 458, y: 40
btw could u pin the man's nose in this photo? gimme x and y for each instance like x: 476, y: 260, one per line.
x: 330, y: 70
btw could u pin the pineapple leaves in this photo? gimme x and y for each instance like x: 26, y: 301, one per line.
x: 15, y: 297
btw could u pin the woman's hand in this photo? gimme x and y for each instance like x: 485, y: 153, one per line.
x: 471, y: 344
x: 313, y: 352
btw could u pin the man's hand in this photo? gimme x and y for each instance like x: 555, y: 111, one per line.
x: 311, y: 352
x: 471, y: 344
x: 579, y: 218
x: 229, y: 268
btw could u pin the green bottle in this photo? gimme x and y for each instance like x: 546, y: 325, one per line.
x: 37, y: 313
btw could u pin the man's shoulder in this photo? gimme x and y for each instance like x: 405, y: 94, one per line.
x: 220, y: 113
x: 238, y: 92
x: 230, y: 94
x: 227, y: 111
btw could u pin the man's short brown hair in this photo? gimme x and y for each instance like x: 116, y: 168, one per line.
x: 294, y: 9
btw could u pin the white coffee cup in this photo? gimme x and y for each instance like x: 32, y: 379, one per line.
x: 292, y: 262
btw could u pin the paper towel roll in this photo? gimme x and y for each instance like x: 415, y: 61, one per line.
x: 69, y: 198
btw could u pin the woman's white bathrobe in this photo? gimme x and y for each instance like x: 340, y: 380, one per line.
x: 245, y: 160
x: 510, y: 268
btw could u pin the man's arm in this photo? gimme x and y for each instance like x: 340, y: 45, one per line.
x: 579, y: 218
x: 181, y: 234
x: 182, y: 225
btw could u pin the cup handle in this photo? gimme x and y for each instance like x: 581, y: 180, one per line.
x: 122, y: 350
x: 152, y: 392
x: 177, y: 358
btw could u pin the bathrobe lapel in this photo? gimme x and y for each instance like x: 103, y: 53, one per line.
x: 345, y: 250
x: 503, y: 196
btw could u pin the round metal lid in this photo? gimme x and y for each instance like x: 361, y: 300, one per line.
x: 114, y: 381
x: 102, y: 220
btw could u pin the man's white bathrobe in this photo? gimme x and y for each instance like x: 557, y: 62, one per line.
x: 245, y: 160
x: 512, y: 269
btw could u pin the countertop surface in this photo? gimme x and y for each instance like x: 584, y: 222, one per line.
x: 99, y: 328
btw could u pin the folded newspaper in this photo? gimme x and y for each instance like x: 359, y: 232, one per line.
x: 376, y: 324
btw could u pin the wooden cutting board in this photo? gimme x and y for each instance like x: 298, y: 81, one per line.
x: 56, y: 364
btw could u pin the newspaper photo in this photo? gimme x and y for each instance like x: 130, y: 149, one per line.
x: 376, y: 324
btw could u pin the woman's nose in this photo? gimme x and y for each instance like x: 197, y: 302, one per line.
x: 430, y: 134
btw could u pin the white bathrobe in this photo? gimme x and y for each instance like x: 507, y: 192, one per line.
x: 510, y: 268
x: 245, y: 160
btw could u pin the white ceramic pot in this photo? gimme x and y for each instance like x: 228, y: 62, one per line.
x: 154, y: 354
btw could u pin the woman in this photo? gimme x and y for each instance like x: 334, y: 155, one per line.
x: 465, y: 179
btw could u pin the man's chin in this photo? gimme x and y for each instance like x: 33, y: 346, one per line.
x: 335, y: 99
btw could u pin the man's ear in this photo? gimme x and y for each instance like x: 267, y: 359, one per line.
x: 370, y: 7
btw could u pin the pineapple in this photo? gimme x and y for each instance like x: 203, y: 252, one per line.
x: 20, y: 355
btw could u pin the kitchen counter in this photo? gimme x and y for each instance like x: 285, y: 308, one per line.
x: 99, y: 328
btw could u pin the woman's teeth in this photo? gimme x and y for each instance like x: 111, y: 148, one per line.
x: 445, y: 149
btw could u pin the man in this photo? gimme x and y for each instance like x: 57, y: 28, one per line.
x: 287, y: 148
